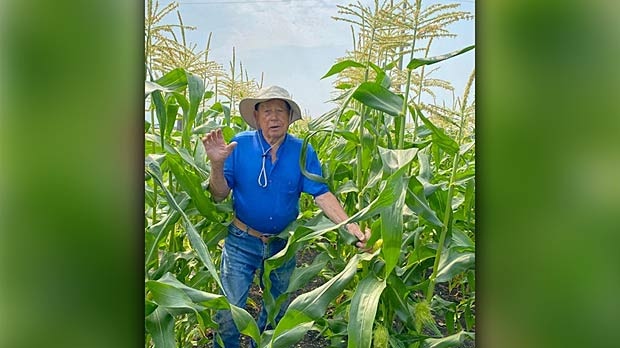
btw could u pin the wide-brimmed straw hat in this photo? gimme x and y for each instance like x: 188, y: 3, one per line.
x: 246, y: 105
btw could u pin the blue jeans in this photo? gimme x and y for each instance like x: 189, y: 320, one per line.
x: 242, y: 256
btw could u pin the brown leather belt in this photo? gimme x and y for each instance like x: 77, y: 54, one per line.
x: 252, y: 232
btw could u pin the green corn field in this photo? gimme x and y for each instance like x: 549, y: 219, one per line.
x: 402, y: 167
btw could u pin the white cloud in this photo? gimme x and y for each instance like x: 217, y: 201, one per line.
x: 296, y: 23
x: 263, y: 34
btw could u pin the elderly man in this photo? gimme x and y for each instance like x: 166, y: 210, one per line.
x: 261, y: 167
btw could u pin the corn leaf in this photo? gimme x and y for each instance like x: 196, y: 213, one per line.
x: 303, y: 159
x: 392, y: 220
x: 291, y: 336
x: 149, y: 307
x: 416, y: 201
x: 160, y: 324
x: 169, y: 296
x: 180, y: 98
x: 160, y: 111
x: 171, y: 116
x: 152, y: 138
x: 312, y: 305
x: 319, y: 222
x: 150, y: 87
x: 196, y: 91
x: 291, y: 248
x: 459, y: 238
x: 323, y: 121
x: 162, y: 227
x: 454, y: 263
x: 223, y: 109
x: 175, y: 79
x: 396, y: 162
x: 195, y: 240
x: 210, y: 300
x: 245, y: 323
x: 200, y: 157
x: 185, y: 295
x: 426, y: 172
x: 449, y: 341
x: 302, y: 275
x: 418, y: 62
x: 340, y: 66
x: 376, y: 96
x: 382, y: 78
x: 192, y: 184
x: 395, y: 159
x: 439, y: 137
x: 389, y: 194
x: 363, y: 310
x: 396, y: 295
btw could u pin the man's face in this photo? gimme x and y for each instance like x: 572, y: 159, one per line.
x: 272, y: 117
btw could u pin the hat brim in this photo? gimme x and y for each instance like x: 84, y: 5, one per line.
x: 246, y: 109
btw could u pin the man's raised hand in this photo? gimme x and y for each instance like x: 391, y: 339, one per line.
x: 215, y: 146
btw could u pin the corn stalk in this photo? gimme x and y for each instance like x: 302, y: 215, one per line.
x: 447, y: 220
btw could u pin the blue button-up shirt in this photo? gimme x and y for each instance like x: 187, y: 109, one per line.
x: 269, y: 209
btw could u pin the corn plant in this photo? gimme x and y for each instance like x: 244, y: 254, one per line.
x: 389, y: 34
x: 166, y: 47
x: 393, y: 199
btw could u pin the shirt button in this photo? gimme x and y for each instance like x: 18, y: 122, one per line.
x: 270, y: 218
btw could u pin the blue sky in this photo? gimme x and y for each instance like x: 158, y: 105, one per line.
x: 295, y: 42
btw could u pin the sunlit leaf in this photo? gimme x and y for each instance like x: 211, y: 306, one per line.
x: 175, y: 79
x: 418, y: 62
x: 363, y: 309
x: 376, y: 96
x: 340, y: 66
x: 395, y: 159
x: 392, y: 220
x: 150, y: 87
x: 449, y: 341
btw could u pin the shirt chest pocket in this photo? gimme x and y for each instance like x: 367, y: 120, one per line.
x: 290, y: 187
x: 288, y: 196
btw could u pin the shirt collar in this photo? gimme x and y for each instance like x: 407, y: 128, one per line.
x: 266, y: 145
